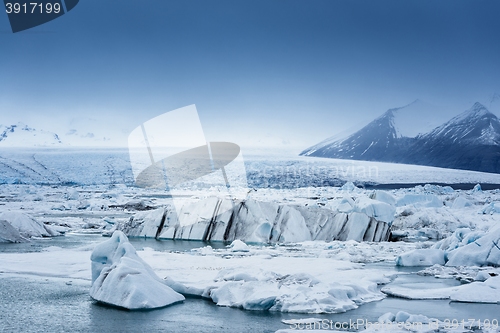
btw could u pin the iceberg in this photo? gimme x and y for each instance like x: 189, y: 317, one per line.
x: 257, y: 289
x: 121, y: 278
x: 420, y: 200
x: 9, y: 234
x: 26, y: 226
x: 460, y: 202
x: 490, y: 208
x: 478, y: 292
x: 239, y: 246
x: 475, y: 292
x: 463, y: 248
x: 483, y: 251
x: 421, y: 257
x: 383, y: 196
x: 379, y: 210
x: 217, y: 219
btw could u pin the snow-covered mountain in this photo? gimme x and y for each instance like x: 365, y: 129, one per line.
x: 387, y: 135
x: 468, y: 141
x: 21, y: 135
x: 474, y: 126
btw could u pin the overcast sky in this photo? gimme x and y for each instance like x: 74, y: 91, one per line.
x: 282, y: 72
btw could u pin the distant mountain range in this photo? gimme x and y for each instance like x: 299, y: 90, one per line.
x: 21, y: 135
x: 469, y: 141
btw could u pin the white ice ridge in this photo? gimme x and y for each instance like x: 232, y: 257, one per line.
x: 121, y: 278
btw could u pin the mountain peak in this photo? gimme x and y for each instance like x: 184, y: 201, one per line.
x: 478, y: 107
x: 477, y: 111
x: 474, y: 126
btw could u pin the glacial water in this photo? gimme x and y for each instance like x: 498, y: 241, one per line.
x: 39, y: 304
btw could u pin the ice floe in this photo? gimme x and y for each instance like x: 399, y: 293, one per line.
x: 422, y: 257
x: 475, y: 292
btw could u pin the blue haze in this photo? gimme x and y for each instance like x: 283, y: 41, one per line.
x: 281, y: 72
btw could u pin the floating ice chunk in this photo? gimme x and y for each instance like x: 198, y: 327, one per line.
x: 207, y: 250
x: 73, y: 194
x: 121, y: 278
x: 138, y: 205
x: 299, y: 292
x: 84, y: 204
x: 421, y: 294
x: 420, y: 200
x: 482, y: 276
x: 475, y: 292
x: 405, y: 317
x: 478, y: 292
x: 343, y: 205
x: 421, y: 257
x: 436, y: 189
x: 460, y: 202
x: 387, y: 317
x: 27, y: 226
x: 402, y: 316
x: 379, y: 210
x: 238, y: 246
x: 9, y: 234
x: 60, y: 207
x: 460, y: 237
x: 251, y: 295
x: 484, y: 251
x: 477, y: 188
x: 490, y: 208
x: 349, y: 187
x: 383, y: 196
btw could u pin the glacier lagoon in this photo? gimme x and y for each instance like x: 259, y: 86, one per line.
x: 83, y: 194
x: 32, y: 302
